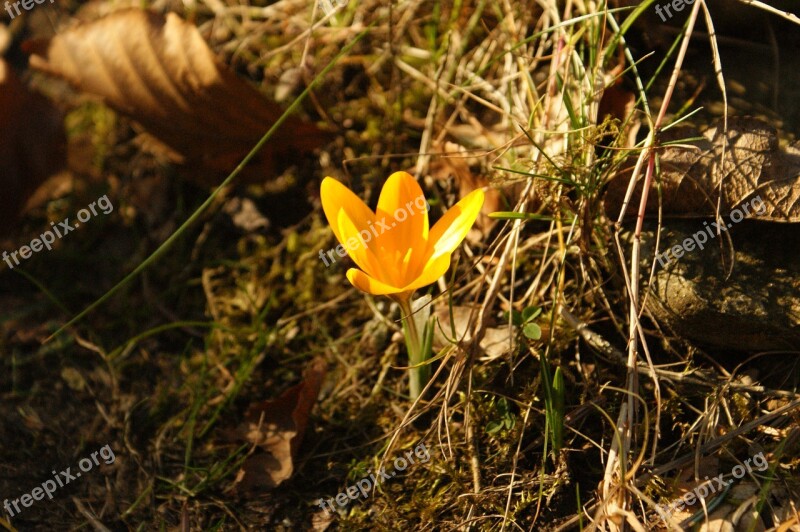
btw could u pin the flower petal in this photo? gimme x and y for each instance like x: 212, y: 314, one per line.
x: 402, y: 207
x: 338, y: 198
x: 400, y: 192
x: 356, y: 243
x: 370, y: 285
x: 450, y: 230
x: 446, y: 236
x: 433, y: 270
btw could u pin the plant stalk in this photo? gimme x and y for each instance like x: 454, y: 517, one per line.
x: 418, y: 374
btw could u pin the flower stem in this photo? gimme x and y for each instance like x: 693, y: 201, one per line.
x: 417, y: 376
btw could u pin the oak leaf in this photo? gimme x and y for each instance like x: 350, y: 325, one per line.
x: 730, y: 167
x: 160, y: 72
x: 277, y: 427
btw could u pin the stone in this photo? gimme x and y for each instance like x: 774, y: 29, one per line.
x: 752, y: 304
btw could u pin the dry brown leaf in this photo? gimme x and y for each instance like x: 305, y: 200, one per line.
x: 31, y: 143
x: 496, y: 341
x: 456, y: 165
x: 729, y: 517
x: 694, y: 174
x: 277, y: 427
x: 619, y: 104
x: 160, y: 72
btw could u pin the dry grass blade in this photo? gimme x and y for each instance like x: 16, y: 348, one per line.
x: 618, y: 452
x: 791, y: 17
x: 556, y: 401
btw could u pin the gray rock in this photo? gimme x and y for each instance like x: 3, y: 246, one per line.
x: 754, y: 308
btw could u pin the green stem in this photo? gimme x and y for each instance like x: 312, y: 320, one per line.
x: 417, y: 374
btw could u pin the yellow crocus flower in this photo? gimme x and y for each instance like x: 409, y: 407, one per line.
x: 394, y: 248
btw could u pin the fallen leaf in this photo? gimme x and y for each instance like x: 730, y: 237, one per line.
x: 31, y: 143
x: 695, y: 174
x: 619, y: 105
x: 160, y: 72
x: 277, y: 427
x: 496, y: 341
x: 455, y: 164
x: 729, y: 517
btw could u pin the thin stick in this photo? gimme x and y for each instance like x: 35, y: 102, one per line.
x: 626, y: 419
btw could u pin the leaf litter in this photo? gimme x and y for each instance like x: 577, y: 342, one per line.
x: 276, y: 283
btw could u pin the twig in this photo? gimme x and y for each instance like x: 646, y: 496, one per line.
x: 626, y: 420
x: 784, y: 14
x: 98, y: 526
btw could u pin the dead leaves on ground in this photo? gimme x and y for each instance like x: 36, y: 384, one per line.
x: 276, y: 427
x: 454, y: 163
x: 160, y: 72
x: 31, y: 142
x: 694, y: 174
x: 732, y: 494
x: 496, y: 342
